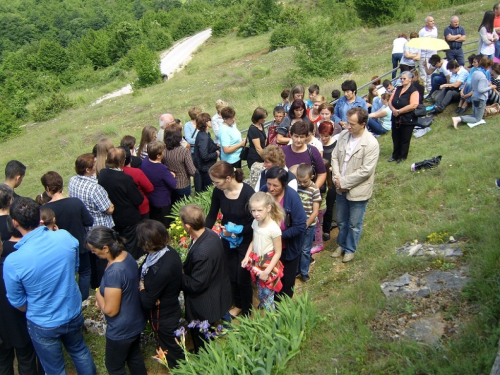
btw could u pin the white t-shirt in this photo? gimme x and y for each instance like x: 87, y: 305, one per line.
x: 351, y: 146
x: 398, y: 45
x: 431, y: 34
x: 443, y: 68
x: 263, y: 237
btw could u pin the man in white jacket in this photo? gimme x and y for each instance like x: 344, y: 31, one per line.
x: 354, y: 160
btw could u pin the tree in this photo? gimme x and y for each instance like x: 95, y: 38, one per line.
x: 147, y: 66
x: 52, y: 57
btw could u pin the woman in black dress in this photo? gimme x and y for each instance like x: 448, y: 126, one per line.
x: 403, y: 103
x: 256, y: 136
x: 231, y: 198
x: 160, y: 285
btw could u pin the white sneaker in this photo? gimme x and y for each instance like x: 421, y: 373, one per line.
x: 473, y: 124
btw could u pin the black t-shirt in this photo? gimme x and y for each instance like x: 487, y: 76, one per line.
x: 233, y: 210
x: 255, y: 133
x: 73, y: 216
x: 8, y: 248
x: 3, y: 228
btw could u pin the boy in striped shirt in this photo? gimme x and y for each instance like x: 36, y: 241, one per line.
x: 311, y: 199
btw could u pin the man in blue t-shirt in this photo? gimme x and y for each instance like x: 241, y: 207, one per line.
x: 40, y: 279
x: 455, y: 36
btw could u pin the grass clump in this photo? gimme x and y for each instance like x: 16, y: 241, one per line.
x: 262, y: 344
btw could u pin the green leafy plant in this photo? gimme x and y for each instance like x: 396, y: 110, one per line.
x: 262, y: 344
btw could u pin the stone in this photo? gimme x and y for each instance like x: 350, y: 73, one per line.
x: 428, y: 330
x: 403, y: 280
x: 423, y: 292
x: 451, y: 249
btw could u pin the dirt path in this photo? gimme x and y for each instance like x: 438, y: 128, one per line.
x: 172, y: 61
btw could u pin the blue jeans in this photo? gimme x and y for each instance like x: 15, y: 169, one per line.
x: 478, y: 106
x: 456, y: 54
x: 350, y: 221
x: 305, y: 256
x: 396, y: 58
x: 497, y: 49
x: 437, y: 79
x: 375, y: 127
x: 47, y: 343
x: 179, y: 194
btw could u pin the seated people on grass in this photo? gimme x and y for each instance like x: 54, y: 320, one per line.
x: 450, y: 92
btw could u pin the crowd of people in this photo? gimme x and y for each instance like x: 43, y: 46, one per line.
x: 314, y: 167
x: 450, y: 80
x: 117, y: 209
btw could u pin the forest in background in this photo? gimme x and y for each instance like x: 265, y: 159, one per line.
x: 51, y: 47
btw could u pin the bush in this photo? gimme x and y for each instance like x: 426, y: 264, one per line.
x: 9, y: 126
x: 321, y: 53
x: 262, y: 344
x: 380, y: 12
x: 52, y: 57
x: 47, y: 109
x: 283, y: 36
x: 147, y: 67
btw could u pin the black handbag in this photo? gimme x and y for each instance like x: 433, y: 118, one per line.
x: 421, y: 110
x: 245, y: 151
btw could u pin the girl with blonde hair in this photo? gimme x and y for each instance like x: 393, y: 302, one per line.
x: 263, y: 256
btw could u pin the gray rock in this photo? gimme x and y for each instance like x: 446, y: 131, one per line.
x: 428, y: 330
x: 423, y: 292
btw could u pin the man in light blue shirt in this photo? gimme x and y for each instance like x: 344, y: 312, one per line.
x: 40, y: 279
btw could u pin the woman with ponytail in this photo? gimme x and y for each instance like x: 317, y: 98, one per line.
x: 230, y: 198
x: 160, y: 280
x: 118, y: 298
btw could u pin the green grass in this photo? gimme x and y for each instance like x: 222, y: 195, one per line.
x: 458, y: 197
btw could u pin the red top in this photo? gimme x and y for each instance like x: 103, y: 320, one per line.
x: 145, y: 186
x: 496, y: 22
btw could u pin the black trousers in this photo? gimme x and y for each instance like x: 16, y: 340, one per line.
x: 241, y: 280
x: 159, y: 214
x: 27, y: 361
x: 401, y: 138
x: 130, y: 235
x: 206, y: 181
x: 124, y: 351
x: 166, y: 339
x: 289, y: 273
x: 331, y: 197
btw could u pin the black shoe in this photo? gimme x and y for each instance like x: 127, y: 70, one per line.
x: 326, y: 236
x: 391, y: 159
x: 462, y: 110
x: 400, y: 160
x: 497, y: 182
x: 305, y: 278
x: 458, y: 110
x: 312, y: 260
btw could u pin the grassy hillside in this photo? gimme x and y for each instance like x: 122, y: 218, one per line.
x: 458, y: 197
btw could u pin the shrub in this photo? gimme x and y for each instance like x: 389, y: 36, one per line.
x: 9, y: 126
x: 379, y: 12
x: 47, y: 109
x: 262, y: 344
x: 283, y: 36
x: 52, y: 57
x: 321, y: 54
x: 147, y: 67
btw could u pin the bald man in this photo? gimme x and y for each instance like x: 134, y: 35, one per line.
x: 166, y: 119
x: 431, y: 31
x: 455, y: 36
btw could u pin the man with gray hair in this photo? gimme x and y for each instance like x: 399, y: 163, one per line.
x: 166, y: 119
x: 455, y: 36
x: 431, y: 31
